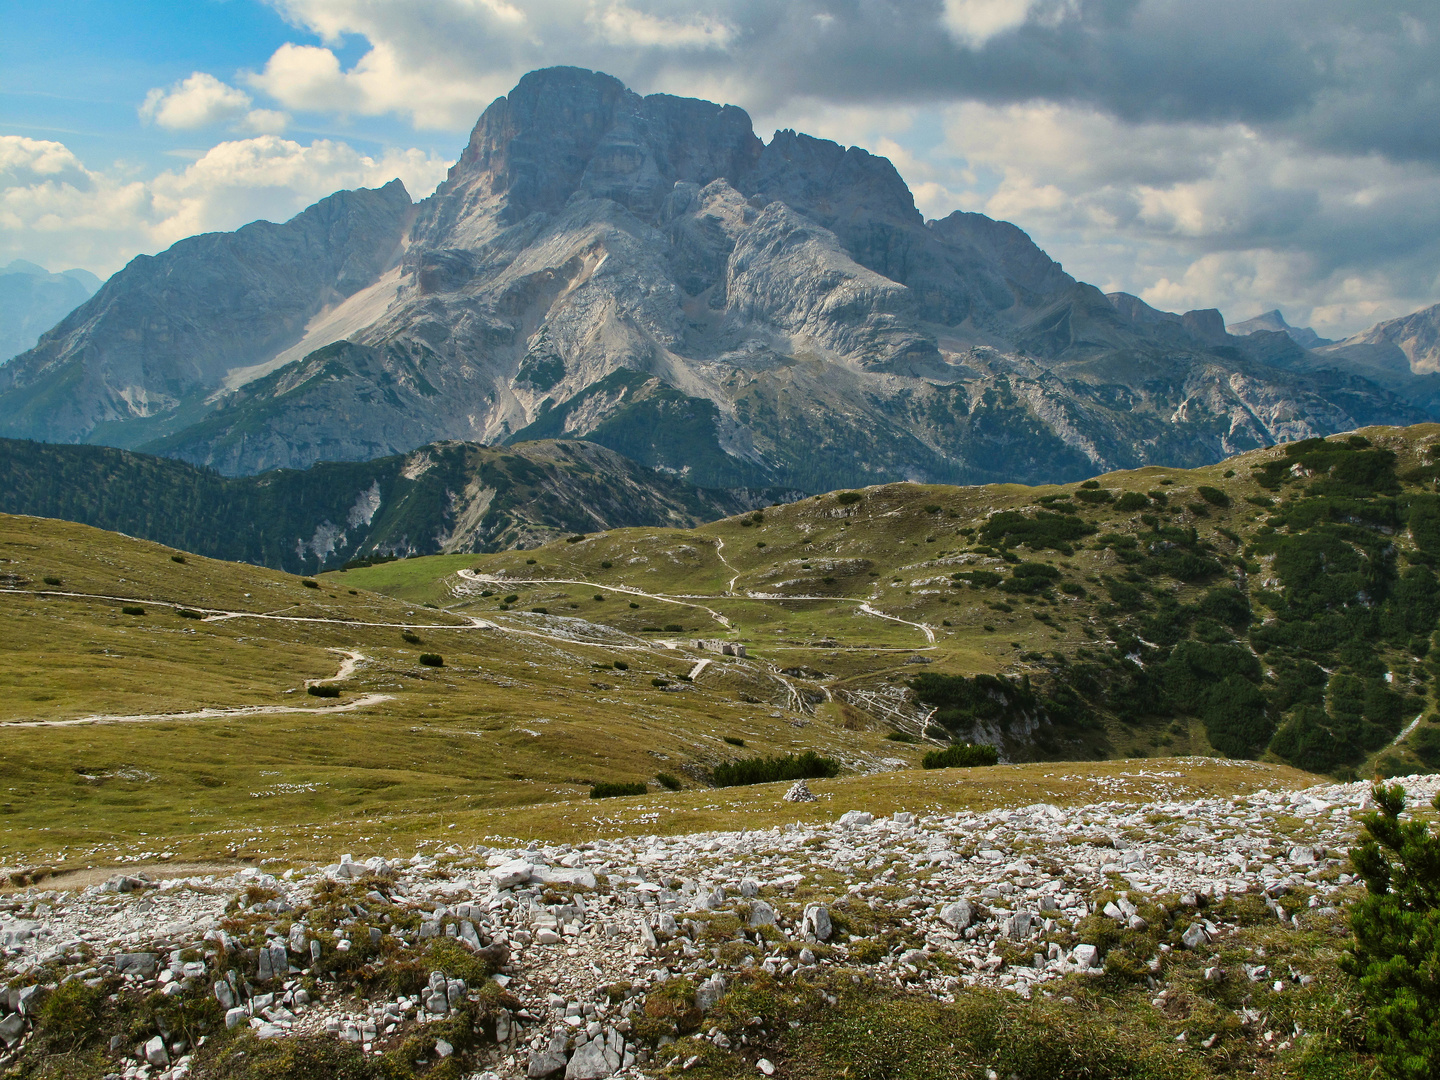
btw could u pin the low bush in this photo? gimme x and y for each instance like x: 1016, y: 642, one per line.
x: 606, y: 564
x: 132, y: 609
x: 540, y: 610
x: 615, y: 790
x: 758, y: 770
x: 310, y: 583
x: 1131, y: 501
x: 1426, y: 744
x: 961, y: 756
x: 1396, y: 927
x: 669, y: 781
x: 186, y: 613
x: 659, y: 682
x: 177, y: 558
x: 733, y: 740
x: 430, y: 659
x: 848, y: 498
x: 323, y: 691
x: 901, y: 737
x: 413, y: 639
x: 621, y: 665
x: 1212, y: 495
x: 575, y: 539
x: 674, y: 628
x: 53, y: 581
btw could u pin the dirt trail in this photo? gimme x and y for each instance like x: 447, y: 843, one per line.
x: 203, y: 714
x: 929, y: 634
x: 626, y: 590
x: 630, y: 590
x: 347, y: 668
x: 720, y: 554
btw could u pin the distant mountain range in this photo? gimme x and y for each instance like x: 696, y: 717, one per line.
x: 444, y: 498
x: 32, y: 300
x: 647, y: 274
x: 1273, y: 322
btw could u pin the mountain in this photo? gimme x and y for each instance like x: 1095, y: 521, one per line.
x: 442, y: 498
x: 1274, y: 322
x: 646, y: 273
x: 32, y: 300
x: 1402, y: 355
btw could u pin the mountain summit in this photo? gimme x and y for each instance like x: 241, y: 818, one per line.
x: 646, y: 273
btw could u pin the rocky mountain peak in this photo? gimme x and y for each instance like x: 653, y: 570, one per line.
x: 564, y: 130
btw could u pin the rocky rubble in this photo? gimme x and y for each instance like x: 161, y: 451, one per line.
x: 566, y: 960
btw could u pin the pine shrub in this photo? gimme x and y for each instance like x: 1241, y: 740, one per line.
x: 323, y: 690
x: 310, y: 583
x: 668, y: 781
x: 759, y: 770
x: 1396, y: 926
x: 961, y: 756
x: 132, y: 609
x: 430, y: 659
x: 613, y: 790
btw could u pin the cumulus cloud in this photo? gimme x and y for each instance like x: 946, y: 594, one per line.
x: 55, y: 210
x: 202, y: 101
x: 1203, y: 215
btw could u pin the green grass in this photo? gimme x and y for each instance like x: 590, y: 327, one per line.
x: 509, y: 736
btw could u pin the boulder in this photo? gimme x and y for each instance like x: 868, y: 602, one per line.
x: 816, y: 921
x: 507, y: 875
x: 761, y: 914
x: 957, y: 915
x: 588, y: 1062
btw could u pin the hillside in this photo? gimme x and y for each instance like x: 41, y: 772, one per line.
x: 442, y: 498
x: 646, y: 273
x: 157, y: 700
x: 1280, y: 603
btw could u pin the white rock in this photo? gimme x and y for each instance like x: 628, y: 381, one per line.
x: 957, y: 915
x: 507, y: 875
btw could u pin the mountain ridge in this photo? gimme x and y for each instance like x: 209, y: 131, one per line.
x: 647, y: 273
x: 442, y: 498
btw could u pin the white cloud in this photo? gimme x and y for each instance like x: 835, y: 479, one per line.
x: 309, y: 77
x: 198, y: 101
x: 1192, y: 215
x: 974, y: 22
x: 204, y: 101
x: 620, y: 24
x: 54, y: 210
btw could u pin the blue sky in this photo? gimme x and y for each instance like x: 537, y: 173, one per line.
x: 1244, y: 154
